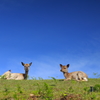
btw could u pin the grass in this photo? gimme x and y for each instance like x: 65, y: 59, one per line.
x: 54, y: 89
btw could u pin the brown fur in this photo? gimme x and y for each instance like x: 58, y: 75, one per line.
x: 18, y: 76
x: 77, y: 75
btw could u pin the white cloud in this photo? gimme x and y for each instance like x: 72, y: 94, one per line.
x: 48, y: 66
x: 44, y: 69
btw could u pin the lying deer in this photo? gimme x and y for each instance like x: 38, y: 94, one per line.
x: 17, y: 76
x: 77, y: 75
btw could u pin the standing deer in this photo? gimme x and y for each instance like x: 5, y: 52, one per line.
x: 17, y: 76
x: 77, y: 75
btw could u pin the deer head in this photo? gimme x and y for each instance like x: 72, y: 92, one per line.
x: 64, y: 68
x: 26, y: 66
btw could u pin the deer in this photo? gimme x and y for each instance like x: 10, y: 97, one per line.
x: 77, y: 75
x: 6, y: 75
x: 17, y: 76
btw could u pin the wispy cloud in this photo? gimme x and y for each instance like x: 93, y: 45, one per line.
x: 48, y: 66
x: 44, y: 70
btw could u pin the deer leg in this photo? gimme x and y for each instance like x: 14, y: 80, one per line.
x: 80, y: 76
x: 67, y: 79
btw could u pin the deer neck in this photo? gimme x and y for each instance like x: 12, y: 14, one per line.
x: 26, y: 74
x: 66, y: 74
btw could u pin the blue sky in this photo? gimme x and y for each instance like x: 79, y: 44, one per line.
x: 48, y: 33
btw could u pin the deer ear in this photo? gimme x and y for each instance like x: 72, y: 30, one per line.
x: 9, y: 70
x: 68, y: 65
x: 30, y: 63
x: 22, y: 63
x: 60, y: 65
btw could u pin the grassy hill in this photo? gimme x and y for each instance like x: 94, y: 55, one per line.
x: 53, y: 89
